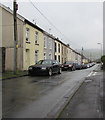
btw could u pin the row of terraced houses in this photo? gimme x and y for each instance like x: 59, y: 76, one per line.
x: 34, y: 43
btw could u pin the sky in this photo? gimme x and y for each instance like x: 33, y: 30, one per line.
x: 79, y: 24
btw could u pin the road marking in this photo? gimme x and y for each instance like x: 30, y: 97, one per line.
x: 90, y: 74
x: 94, y: 73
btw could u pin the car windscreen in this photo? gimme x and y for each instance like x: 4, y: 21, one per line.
x: 44, y: 62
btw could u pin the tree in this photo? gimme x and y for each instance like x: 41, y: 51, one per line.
x: 103, y: 61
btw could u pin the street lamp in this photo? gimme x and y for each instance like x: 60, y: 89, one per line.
x: 101, y: 47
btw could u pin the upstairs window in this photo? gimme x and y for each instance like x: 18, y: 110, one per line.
x: 59, y: 48
x: 45, y: 42
x: 27, y: 34
x: 62, y: 49
x: 50, y: 43
x: 36, y: 37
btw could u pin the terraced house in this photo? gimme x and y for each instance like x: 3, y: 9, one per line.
x: 30, y: 40
x: 48, y: 46
x: 57, y: 50
x: 8, y: 39
x: 64, y: 52
x: 34, y: 43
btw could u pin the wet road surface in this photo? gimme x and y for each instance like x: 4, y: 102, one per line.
x: 37, y: 97
x: 88, y: 100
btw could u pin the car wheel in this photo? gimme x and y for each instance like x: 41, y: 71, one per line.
x: 50, y: 72
x: 60, y: 71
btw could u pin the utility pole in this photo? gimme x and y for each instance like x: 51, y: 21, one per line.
x: 15, y: 8
x: 82, y: 56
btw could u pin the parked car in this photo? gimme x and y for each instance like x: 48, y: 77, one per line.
x: 68, y: 65
x: 47, y: 67
x: 84, y: 66
x: 78, y: 66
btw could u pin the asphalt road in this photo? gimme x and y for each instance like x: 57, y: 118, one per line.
x: 40, y: 96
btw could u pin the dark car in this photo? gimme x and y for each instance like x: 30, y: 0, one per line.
x: 78, y: 66
x: 84, y: 66
x: 43, y: 67
x: 68, y: 66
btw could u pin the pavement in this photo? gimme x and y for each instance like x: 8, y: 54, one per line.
x: 10, y: 75
x: 88, y: 100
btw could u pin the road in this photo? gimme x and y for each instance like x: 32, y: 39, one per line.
x: 40, y: 96
x: 88, y: 100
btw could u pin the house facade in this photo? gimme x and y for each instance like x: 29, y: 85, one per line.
x: 7, y: 38
x: 64, y: 52
x: 48, y: 46
x: 69, y: 54
x: 30, y: 40
x: 33, y: 44
x: 57, y: 50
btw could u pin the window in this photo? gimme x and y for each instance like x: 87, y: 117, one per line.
x: 59, y: 48
x: 36, y: 56
x: 62, y: 49
x: 65, y: 59
x: 50, y: 43
x: 44, y: 56
x: 55, y: 47
x: 45, y: 42
x: 59, y: 58
x: 50, y: 56
x: 76, y: 57
x: 36, y: 37
x: 27, y: 34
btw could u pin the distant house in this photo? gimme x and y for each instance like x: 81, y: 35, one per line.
x: 64, y: 53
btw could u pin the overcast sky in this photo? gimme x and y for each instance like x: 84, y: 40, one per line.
x: 79, y: 23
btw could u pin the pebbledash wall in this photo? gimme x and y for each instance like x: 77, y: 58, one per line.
x: 34, y: 43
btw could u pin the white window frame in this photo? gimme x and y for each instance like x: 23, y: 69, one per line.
x: 36, y: 37
x: 27, y: 34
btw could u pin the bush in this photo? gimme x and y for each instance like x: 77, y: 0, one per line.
x: 103, y: 61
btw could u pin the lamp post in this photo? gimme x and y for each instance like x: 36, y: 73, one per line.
x: 82, y: 56
x: 100, y: 47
